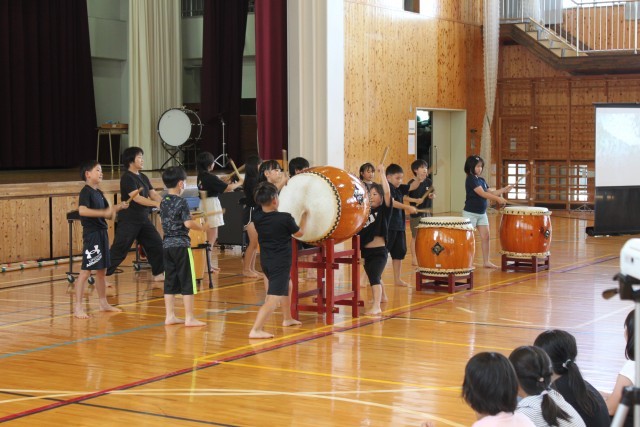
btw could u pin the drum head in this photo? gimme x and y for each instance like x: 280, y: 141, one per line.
x: 525, y: 210
x: 317, y: 195
x: 175, y: 127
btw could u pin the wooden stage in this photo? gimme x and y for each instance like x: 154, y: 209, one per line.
x: 398, y: 369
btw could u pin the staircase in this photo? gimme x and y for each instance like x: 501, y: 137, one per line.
x: 548, y: 39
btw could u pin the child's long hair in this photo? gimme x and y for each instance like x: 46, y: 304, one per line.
x: 533, y: 369
x: 204, y: 161
x: 267, y: 165
x: 562, y: 350
x: 629, y: 351
x: 471, y: 163
x: 490, y: 385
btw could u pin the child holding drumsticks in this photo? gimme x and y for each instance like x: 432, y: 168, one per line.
x: 94, y: 210
x: 274, y: 235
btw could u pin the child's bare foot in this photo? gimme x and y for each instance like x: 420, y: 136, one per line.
x: 260, y: 334
x: 194, y: 322
x: 490, y: 265
x: 414, y: 262
x: 250, y: 274
x: 80, y: 314
x: 214, y: 270
x: 291, y: 322
x: 384, y: 299
x: 109, y: 307
x: 401, y: 283
x: 373, y: 312
x: 173, y: 321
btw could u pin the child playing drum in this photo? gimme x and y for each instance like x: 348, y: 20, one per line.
x: 421, y: 198
x: 274, y: 235
x: 373, y: 239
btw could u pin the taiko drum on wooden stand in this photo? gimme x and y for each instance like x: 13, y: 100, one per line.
x: 525, y: 237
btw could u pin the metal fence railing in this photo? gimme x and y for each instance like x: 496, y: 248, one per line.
x: 590, y: 26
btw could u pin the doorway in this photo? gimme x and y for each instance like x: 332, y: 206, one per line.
x: 441, y: 141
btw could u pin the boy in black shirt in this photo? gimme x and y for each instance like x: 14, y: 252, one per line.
x: 274, y: 236
x: 421, y: 198
x: 373, y: 239
x: 94, y: 209
x: 176, y: 247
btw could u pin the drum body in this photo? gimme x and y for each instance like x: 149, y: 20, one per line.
x: 445, y: 245
x: 525, y: 231
x: 198, y: 238
x: 179, y: 125
x: 336, y: 201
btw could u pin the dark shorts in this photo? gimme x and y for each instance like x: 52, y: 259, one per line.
x: 95, y: 251
x: 375, y: 260
x: 278, y: 277
x: 396, y: 244
x: 247, y: 215
x: 179, y: 276
x: 414, y: 222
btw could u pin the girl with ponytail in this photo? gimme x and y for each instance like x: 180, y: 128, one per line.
x: 543, y: 405
x: 567, y: 380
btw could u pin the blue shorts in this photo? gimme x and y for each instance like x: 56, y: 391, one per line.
x: 476, y: 219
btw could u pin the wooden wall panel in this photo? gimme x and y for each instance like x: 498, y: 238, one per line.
x: 396, y: 61
x: 514, y: 98
x: 551, y: 119
x: 25, y: 229
x: 517, y: 62
x: 584, y: 93
x: 623, y: 90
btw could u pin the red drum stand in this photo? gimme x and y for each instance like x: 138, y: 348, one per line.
x: 325, y: 261
x: 451, y: 282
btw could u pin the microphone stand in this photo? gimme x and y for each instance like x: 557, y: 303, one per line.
x: 631, y: 394
x: 222, y: 157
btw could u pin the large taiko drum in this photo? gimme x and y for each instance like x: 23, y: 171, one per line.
x: 525, y: 231
x: 198, y: 238
x: 336, y: 202
x: 445, y: 245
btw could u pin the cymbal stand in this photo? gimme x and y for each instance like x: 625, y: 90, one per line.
x: 222, y: 159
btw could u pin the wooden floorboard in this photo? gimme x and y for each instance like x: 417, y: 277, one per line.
x: 398, y: 369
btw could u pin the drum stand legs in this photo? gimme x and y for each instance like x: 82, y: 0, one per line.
x: 326, y: 260
x: 533, y: 264
x: 449, y: 283
x: 207, y: 247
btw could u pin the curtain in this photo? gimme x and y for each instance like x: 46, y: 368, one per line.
x: 271, y: 77
x: 48, y: 109
x: 224, y: 29
x: 491, y: 32
x: 155, y: 71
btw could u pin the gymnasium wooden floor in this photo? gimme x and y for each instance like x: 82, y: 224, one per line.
x: 395, y: 370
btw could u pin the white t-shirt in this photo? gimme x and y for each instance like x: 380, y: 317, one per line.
x: 505, y: 419
x: 629, y: 370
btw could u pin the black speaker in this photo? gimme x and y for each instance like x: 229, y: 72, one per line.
x: 231, y: 233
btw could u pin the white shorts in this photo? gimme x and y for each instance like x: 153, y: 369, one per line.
x: 212, y: 204
x: 476, y: 219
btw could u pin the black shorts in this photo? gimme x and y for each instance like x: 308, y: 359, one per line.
x: 375, y: 260
x: 179, y: 274
x: 397, y: 244
x: 278, y: 277
x: 95, y: 251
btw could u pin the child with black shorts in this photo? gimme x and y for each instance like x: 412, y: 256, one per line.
x: 373, y: 239
x: 94, y: 210
x: 421, y: 198
x: 176, y: 246
x: 397, y: 240
x: 274, y: 236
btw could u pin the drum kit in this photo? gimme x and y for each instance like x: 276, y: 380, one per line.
x: 180, y: 130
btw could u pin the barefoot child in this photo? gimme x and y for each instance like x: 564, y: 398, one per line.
x: 421, y: 198
x: 274, y: 235
x: 373, y: 238
x: 94, y: 210
x: 176, y: 245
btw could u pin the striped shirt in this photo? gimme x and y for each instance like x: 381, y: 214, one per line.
x: 531, y: 406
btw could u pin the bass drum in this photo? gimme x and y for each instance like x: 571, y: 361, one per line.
x: 337, y: 203
x: 179, y: 125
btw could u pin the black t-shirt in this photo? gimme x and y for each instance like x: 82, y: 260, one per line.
x: 174, y: 211
x: 136, y: 212
x: 249, y: 185
x: 274, y: 236
x: 601, y: 416
x: 475, y: 203
x: 210, y: 183
x: 397, y: 220
x: 423, y: 187
x: 93, y: 199
x: 376, y: 225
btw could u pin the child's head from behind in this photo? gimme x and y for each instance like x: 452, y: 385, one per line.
x: 172, y: 176
x: 490, y: 385
x: 204, y: 161
x: 472, y: 163
x: 266, y: 194
x: 367, y: 172
x: 560, y: 346
x: 297, y: 165
x: 533, y: 368
x: 91, y: 171
x: 394, y: 174
x: 420, y: 168
x: 629, y: 334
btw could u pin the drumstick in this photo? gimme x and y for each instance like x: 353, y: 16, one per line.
x: 235, y: 169
x: 203, y: 197
x: 135, y: 194
x: 384, y: 156
x: 424, y: 211
x: 241, y: 168
x: 285, y: 161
